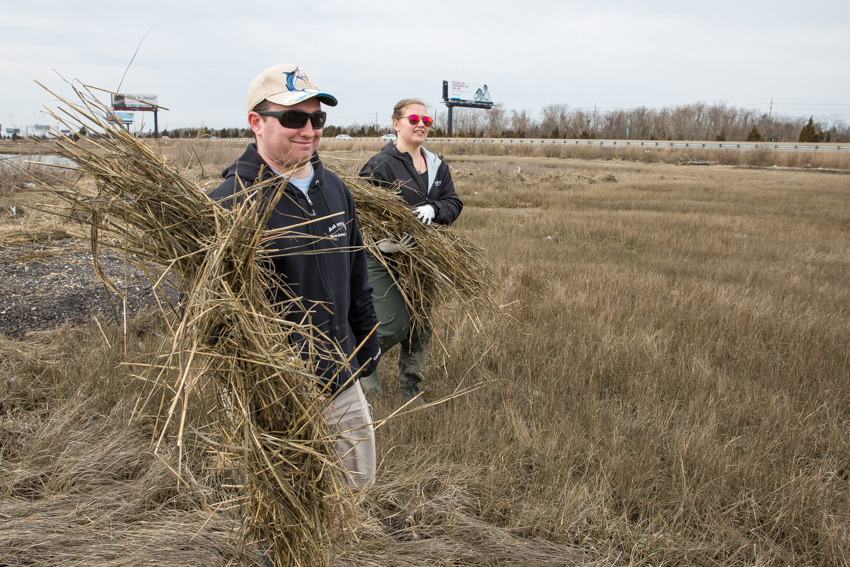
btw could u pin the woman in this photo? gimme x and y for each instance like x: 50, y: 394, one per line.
x: 426, y: 185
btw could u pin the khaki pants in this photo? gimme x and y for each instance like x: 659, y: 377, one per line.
x: 350, y: 420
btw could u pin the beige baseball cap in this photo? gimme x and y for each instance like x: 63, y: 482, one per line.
x: 285, y: 85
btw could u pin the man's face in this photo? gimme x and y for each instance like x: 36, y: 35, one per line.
x: 285, y: 148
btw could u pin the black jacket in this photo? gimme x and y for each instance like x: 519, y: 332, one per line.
x: 334, y: 284
x: 391, y: 165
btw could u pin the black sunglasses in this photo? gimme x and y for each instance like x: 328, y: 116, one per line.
x: 297, y: 118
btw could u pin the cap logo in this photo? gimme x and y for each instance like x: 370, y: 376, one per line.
x: 286, y: 85
x: 293, y: 76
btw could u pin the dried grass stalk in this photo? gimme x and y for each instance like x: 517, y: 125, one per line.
x: 237, y: 378
x: 442, y: 268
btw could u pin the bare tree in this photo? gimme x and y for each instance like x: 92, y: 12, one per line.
x: 497, y: 121
x: 555, y: 120
x: 521, y: 123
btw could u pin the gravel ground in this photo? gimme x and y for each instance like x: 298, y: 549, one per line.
x: 43, y: 286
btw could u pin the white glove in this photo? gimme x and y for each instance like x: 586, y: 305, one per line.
x: 391, y: 246
x: 426, y: 214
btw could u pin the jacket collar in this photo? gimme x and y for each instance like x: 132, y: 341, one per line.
x: 249, y: 164
x: 432, y: 160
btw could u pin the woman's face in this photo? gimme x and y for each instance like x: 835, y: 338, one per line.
x: 411, y: 134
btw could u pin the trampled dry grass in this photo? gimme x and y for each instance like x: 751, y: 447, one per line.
x: 671, y: 388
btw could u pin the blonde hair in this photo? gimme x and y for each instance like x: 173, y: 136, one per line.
x: 399, y: 107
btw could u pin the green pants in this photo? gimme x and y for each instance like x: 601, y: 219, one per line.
x: 395, y: 329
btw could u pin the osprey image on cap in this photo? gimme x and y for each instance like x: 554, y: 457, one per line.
x: 285, y: 85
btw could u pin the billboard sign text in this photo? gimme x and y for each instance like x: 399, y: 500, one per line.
x: 129, y: 101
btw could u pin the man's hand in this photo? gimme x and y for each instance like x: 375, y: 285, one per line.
x: 426, y: 214
x: 371, y: 366
x: 391, y: 245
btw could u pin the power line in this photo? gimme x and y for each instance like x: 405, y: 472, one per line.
x: 796, y: 104
x: 842, y: 105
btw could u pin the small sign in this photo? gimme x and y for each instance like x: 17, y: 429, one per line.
x: 125, y: 117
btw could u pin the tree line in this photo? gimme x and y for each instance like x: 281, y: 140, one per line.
x: 689, y: 122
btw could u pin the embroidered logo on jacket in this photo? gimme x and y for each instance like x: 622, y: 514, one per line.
x: 438, y: 182
x: 337, y: 230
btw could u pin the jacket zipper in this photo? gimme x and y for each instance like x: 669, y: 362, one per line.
x: 314, y: 230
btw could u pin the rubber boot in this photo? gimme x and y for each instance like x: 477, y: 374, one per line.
x: 410, y: 362
x: 371, y: 385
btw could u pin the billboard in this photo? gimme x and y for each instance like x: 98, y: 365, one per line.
x: 462, y: 91
x: 129, y: 101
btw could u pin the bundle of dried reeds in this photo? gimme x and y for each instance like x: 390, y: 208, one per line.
x: 230, y: 350
x: 439, y: 267
x: 238, y: 381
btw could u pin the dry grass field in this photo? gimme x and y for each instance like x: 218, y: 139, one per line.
x: 669, y: 384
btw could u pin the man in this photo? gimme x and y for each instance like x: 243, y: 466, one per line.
x: 321, y: 257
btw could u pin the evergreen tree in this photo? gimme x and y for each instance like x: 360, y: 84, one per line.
x: 331, y: 131
x: 754, y: 135
x: 808, y: 134
x: 721, y: 137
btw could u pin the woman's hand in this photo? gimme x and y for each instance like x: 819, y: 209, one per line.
x: 426, y: 214
x: 391, y: 245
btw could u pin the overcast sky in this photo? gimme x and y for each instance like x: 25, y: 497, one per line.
x: 200, y: 56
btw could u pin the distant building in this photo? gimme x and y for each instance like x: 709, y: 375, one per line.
x: 37, y: 130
